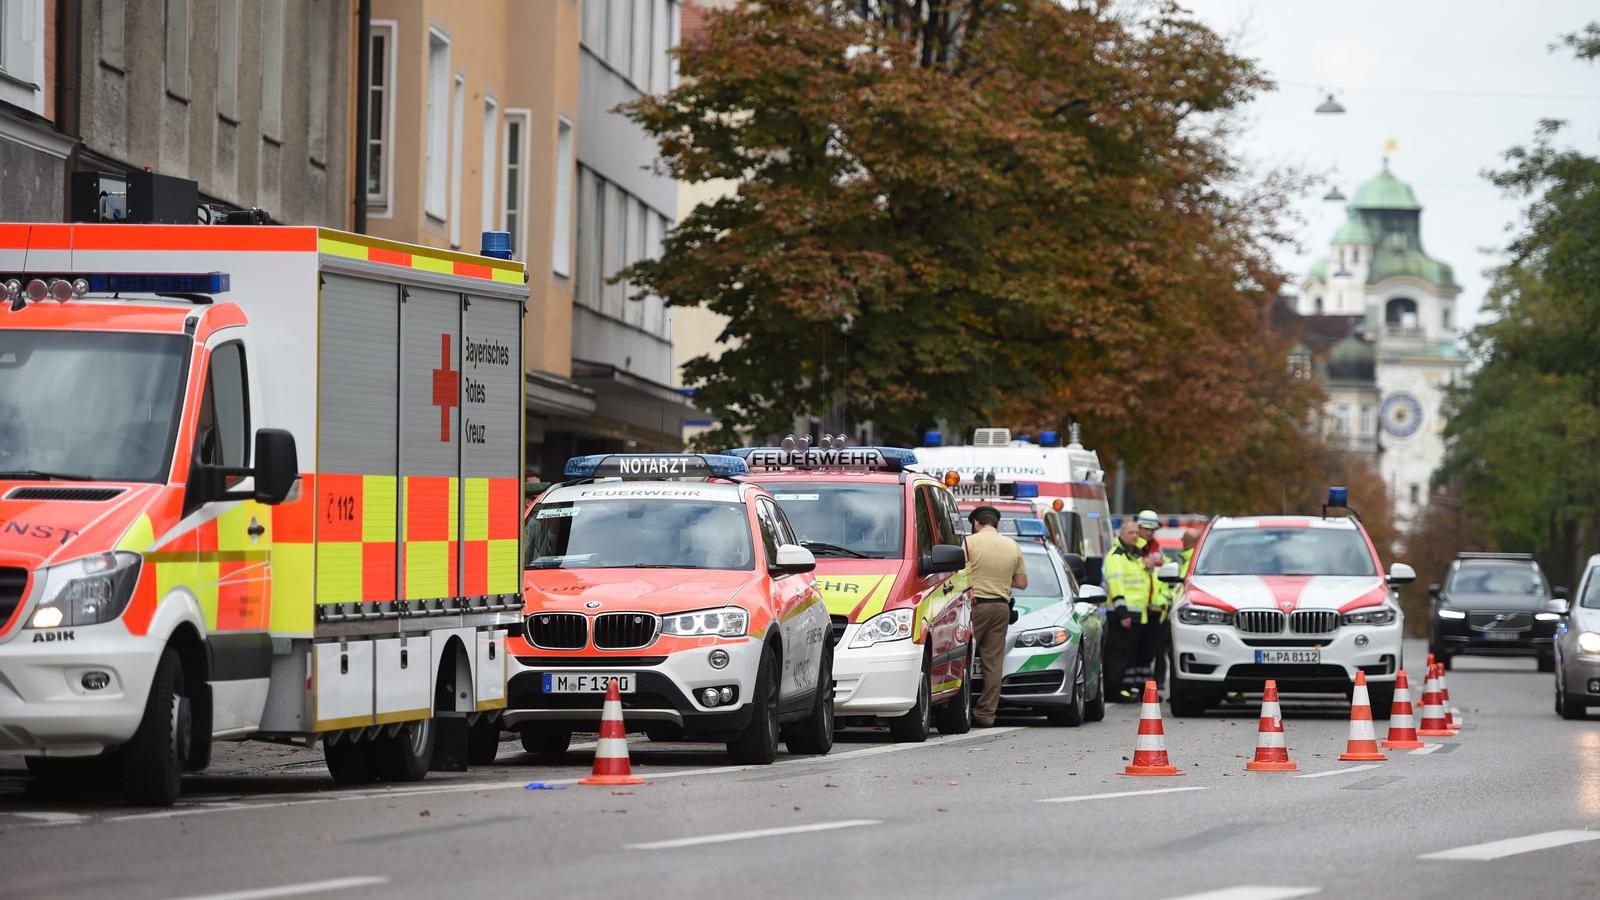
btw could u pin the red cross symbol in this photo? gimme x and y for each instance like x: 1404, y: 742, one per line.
x: 446, y: 388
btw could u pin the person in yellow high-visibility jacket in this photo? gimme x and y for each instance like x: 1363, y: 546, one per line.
x: 1128, y: 588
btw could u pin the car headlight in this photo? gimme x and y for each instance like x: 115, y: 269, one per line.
x: 1203, y: 615
x: 725, y: 621
x: 88, y: 591
x: 1043, y: 637
x: 1589, y: 642
x: 1381, y: 616
x: 1451, y: 613
x: 894, y: 625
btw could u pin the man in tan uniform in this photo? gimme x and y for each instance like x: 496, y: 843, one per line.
x: 995, y: 563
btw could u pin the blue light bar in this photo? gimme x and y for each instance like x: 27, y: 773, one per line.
x: 1049, y: 438
x: 159, y: 283
x: 1338, y: 496
x: 1025, y: 490
x: 655, y: 466
x: 932, y: 438
x: 878, y: 459
x: 1031, y: 528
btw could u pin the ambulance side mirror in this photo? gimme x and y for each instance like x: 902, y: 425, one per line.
x: 277, y: 465
x: 1400, y: 573
x: 1170, y: 573
x: 793, y: 559
x: 944, y: 558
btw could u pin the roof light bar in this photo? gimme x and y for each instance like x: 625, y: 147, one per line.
x: 159, y: 283
x: 1031, y: 528
x: 1025, y: 490
x: 654, y: 466
x: 878, y: 459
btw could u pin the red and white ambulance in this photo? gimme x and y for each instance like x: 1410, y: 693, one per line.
x: 255, y: 482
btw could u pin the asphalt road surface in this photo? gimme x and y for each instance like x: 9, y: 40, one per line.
x: 1510, y: 808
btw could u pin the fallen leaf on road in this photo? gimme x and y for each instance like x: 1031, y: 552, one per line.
x: 424, y: 813
x: 828, y: 784
x: 941, y: 809
x: 783, y: 785
x: 952, y: 782
x: 797, y: 809
x: 622, y: 793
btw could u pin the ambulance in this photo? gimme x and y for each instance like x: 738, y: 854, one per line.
x: 1064, y: 485
x: 255, y: 483
x: 666, y: 575
x: 892, y: 566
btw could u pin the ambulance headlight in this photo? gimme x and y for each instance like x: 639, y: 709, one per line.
x: 88, y: 591
x: 1382, y: 616
x: 1203, y: 615
x: 894, y: 625
x: 1043, y: 637
x: 726, y: 621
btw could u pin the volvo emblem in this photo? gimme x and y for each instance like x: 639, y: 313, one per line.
x: 592, y: 604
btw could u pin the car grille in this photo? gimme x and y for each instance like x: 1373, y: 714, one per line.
x: 558, y: 631
x: 1512, y: 621
x: 13, y: 585
x: 1259, y: 621
x: 839, y: 623
x: 1313, y: 621
x: 625, y: 630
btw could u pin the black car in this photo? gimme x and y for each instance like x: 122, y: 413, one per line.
x: 1495, y: 604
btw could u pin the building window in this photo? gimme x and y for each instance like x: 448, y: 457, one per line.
x: 1416, y: 494
x: 112, y: 17
x: 673, y: 36
x: 1400, y: 314
x: 661, y: 29
x: 458, y: 112
x: 178, y: 48
x: 1317, y: 304
x: 1366, y: 419
x: 611, y: 260
x: 618, y: 24
x: 655, y: 310
x: 380, y: 108
x: 639, y: 57
x: 272, y: 69
x: 591, y: 237
x: 1444, y: 318
x: 594, y: 25
x: 561, y: 245
x: 435, y: 154
x: 228, y: 60
x: 516, y: 152
x: 633, y: 251
x: 491, y: 141
x: 1341, y: 418
x: 318, y: 58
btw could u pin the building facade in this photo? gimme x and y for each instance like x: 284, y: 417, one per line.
x: 33, y: 152
x: 1406, y: 303
x: 248, y: 98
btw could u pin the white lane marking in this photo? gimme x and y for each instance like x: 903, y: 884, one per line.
x: 290, y: 890
x: 1424, y: 751
x: 1513, y: 846
x: 1252, y: 892
x: 1172, y: 790
x: 750, y: 835
x: 194, y: 810
x: 52, y: 818
x: 1345, y: 771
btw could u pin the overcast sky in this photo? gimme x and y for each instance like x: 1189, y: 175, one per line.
x: 1453, y: 83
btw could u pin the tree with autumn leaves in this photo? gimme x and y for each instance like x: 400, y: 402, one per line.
x: 968, y: 212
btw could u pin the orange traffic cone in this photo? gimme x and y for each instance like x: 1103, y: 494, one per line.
x: 1272, y: 754
x: 1402, y: 724
x: 1363, y: 742
x: 1433, y: 723
x: 1150, y: 753
x: 611, y: 751
x: 1444, y: 701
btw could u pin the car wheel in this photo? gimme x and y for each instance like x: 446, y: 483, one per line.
x: 1187, y: 702
x: 814, y: 735
x: 152, y: 762
x: 75, y: 770
x: 1094, y: 710
x: 1072, y: 714
x: 1564, y: 704
x: 548, y: 744
x: 350, y: 762
x: 407, y: 754
x: 1381, y: 696
x: 483, y: 742
x: 913, y: 727
x: 758, y: 744
x: 1443, y: 659
x: 954, y: 716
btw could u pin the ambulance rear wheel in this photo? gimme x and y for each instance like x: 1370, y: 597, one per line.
x: 152, y: 762
x: 814, y: 733
x: 406, y: 754
x: 757, y: 745
x: 350, y: 762
x: 912, y: 728
x: 954, y: 716
x: 548, y: 744
x: 483, y: 742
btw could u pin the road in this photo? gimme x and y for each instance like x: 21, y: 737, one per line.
x: 1020, y: 811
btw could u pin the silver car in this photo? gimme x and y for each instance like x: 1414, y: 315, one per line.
x: 1053, y: 651
x: 1578, y: 648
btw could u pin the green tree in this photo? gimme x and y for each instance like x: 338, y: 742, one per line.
x: 968, y: 211
x: 1524, y: 434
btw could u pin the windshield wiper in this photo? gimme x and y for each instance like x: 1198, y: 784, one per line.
x: 826, y: 547
x: 657, y: 566
x: 42, y: 475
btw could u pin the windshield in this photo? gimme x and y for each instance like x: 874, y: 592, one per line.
x: 1522, y: 580
x: 1044, y: 585
x: 862, y: 519
x: 654, y: 534
x: 1284, y: 551
x: 89, y: 405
